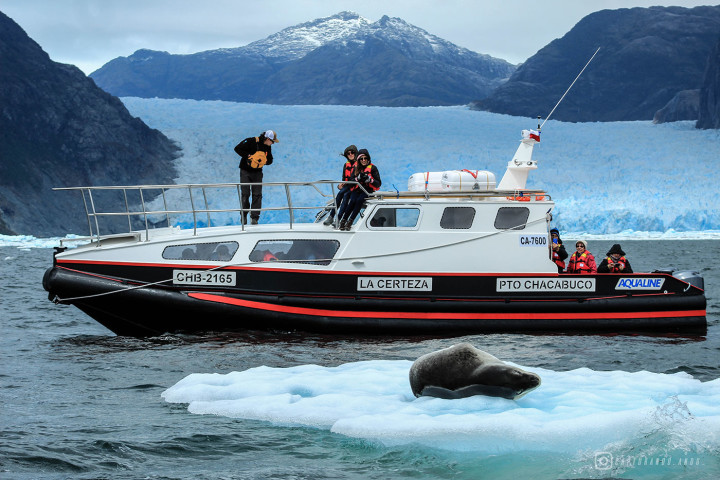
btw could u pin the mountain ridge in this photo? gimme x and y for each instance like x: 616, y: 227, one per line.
x: 647, y: 56
x: 292, y: 66
x: 57, y: 129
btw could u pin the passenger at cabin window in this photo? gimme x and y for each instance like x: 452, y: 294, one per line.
x: 316, y: 252
x: 395, y: 218
x: 262, y: 256
x: 457, y: 218
x: 214, y: 251
x: 512, y: 218
x: 221, y: 253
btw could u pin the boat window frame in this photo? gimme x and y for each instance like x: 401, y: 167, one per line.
x: 395, y: 206
x: 457, y: 207
x: 203, y: 257
x: 515, y: 227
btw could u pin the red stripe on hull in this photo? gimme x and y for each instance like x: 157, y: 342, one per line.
x: 317, y: 312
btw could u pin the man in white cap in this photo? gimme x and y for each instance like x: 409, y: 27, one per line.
x: 255, y: 153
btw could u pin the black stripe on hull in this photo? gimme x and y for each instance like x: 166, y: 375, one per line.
x: 464, y: 287
x: 151, y: 311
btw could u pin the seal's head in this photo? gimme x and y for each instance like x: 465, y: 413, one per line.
x: 518, y: 382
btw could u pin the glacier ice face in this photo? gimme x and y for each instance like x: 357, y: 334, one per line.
x: 606, y: 178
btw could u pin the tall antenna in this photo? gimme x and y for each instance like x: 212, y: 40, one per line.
x: 566, y: 91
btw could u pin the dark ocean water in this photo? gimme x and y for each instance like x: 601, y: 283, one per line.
x: 78, y: 402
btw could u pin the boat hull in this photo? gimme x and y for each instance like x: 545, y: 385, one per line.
x: 123, y: 299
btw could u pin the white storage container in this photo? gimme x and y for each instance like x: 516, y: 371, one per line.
x: 467, y: 181
x: 430, y: 181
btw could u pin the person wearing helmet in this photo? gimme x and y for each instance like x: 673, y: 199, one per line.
x: 255, y: 153
x: 350, y: 153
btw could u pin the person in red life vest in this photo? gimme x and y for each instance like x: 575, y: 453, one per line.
x: 269, y: 257
x: 255, y: 153
x: 365, y: 174
x: 615, y: 262
x: 581, y: 261
x: 350, y: 153
x: 559, y: 254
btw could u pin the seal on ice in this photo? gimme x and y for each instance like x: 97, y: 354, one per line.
x: 463, y: 371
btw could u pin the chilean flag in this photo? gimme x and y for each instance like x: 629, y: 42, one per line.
x: 531, y: 134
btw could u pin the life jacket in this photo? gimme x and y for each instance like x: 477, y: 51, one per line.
x: 348, y: 171
x: 369, y: 185
x: 622, y: 262
x: 558, y: 262
x: 579, y: 264
x: 269, y: 257
x: 259, y: 158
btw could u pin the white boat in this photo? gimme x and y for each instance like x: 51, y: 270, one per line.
x: 450, y: 255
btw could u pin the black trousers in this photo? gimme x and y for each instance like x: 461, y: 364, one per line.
x: 352, y: 204
x: 344, y: 191
x: 247, y: 176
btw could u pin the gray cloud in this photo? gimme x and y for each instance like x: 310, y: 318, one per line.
x: 89, y: 33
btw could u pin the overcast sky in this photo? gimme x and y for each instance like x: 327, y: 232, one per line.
x: 89, y: 33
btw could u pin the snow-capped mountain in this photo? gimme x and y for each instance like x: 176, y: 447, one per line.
x: 297, y: 41
x: 341, y: 59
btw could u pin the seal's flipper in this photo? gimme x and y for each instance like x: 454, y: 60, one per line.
x: 470, y: 391
x: 439, y: 392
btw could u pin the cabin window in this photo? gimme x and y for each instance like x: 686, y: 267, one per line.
x: 511, y: 218
x: 395, y: 218
x: 214, y: 252
x: 457, y: 217
x: 315, y: 252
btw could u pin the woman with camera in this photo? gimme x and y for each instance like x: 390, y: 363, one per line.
x: 615, y: 262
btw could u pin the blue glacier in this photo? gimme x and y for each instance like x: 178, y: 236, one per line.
x: 615, y: 178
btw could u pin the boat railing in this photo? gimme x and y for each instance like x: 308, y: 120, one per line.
x: 139, y: 203
x: 518, y: 195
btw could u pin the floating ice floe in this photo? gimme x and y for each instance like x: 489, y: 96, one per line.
x: 372, y: 400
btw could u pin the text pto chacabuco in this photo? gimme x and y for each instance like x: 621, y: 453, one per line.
x: 545, y: 284
x: 606, y: 461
